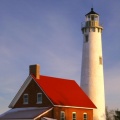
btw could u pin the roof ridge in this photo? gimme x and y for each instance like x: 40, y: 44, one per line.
x: 55, y: 77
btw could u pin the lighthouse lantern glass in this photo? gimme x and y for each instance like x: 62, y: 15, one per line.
x: 92, y: 17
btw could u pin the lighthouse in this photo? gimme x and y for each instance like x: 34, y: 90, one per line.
x: 92, y: 75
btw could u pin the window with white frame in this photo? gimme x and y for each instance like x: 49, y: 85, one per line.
x: 74, y: 116
x: 62, y: 115
x: 25, y: 99
x: 85, y: 116
x: 39, y: 98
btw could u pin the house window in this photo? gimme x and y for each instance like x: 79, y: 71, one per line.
x: 86, y: 38
x: 74, y: 116
x: 25, y: 99
x: 85, y: 116
x: 100, y: 60
x: 39, y: 98
x: 62, y: 115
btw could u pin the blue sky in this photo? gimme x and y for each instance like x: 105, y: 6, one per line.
x: 48, y: 32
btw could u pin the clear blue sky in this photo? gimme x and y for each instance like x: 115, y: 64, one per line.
x: 48, y: 32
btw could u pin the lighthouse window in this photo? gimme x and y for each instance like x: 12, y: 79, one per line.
x: 100, y: 60
x: 86, y: 38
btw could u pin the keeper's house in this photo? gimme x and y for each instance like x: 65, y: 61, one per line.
x: 48, y: 98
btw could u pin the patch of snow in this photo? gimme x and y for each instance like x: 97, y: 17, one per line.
x: 46, y: 118
x: 29, y: 112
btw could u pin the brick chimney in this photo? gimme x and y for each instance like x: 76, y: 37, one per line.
x: 35, y: 70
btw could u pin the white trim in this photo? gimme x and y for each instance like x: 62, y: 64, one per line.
x: 21, y: 90
x: 47, y: 118
x: 43, y: 113
x: 73, y: 107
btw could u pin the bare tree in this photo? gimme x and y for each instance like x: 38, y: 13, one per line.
x: 110, y: 114
x: 117, y: 115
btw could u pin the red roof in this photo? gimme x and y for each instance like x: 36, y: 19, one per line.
x: 64, y: 92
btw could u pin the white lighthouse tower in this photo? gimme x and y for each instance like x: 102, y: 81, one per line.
x: 92, y: 77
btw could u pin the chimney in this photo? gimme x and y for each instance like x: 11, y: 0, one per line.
x: 35, y: 70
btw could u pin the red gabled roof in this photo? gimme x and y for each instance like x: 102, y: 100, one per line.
x: 64, y: 92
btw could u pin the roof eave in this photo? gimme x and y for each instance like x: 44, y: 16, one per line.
x: 17, y: 96
x: 92, y: 12
x: 75, y: 107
